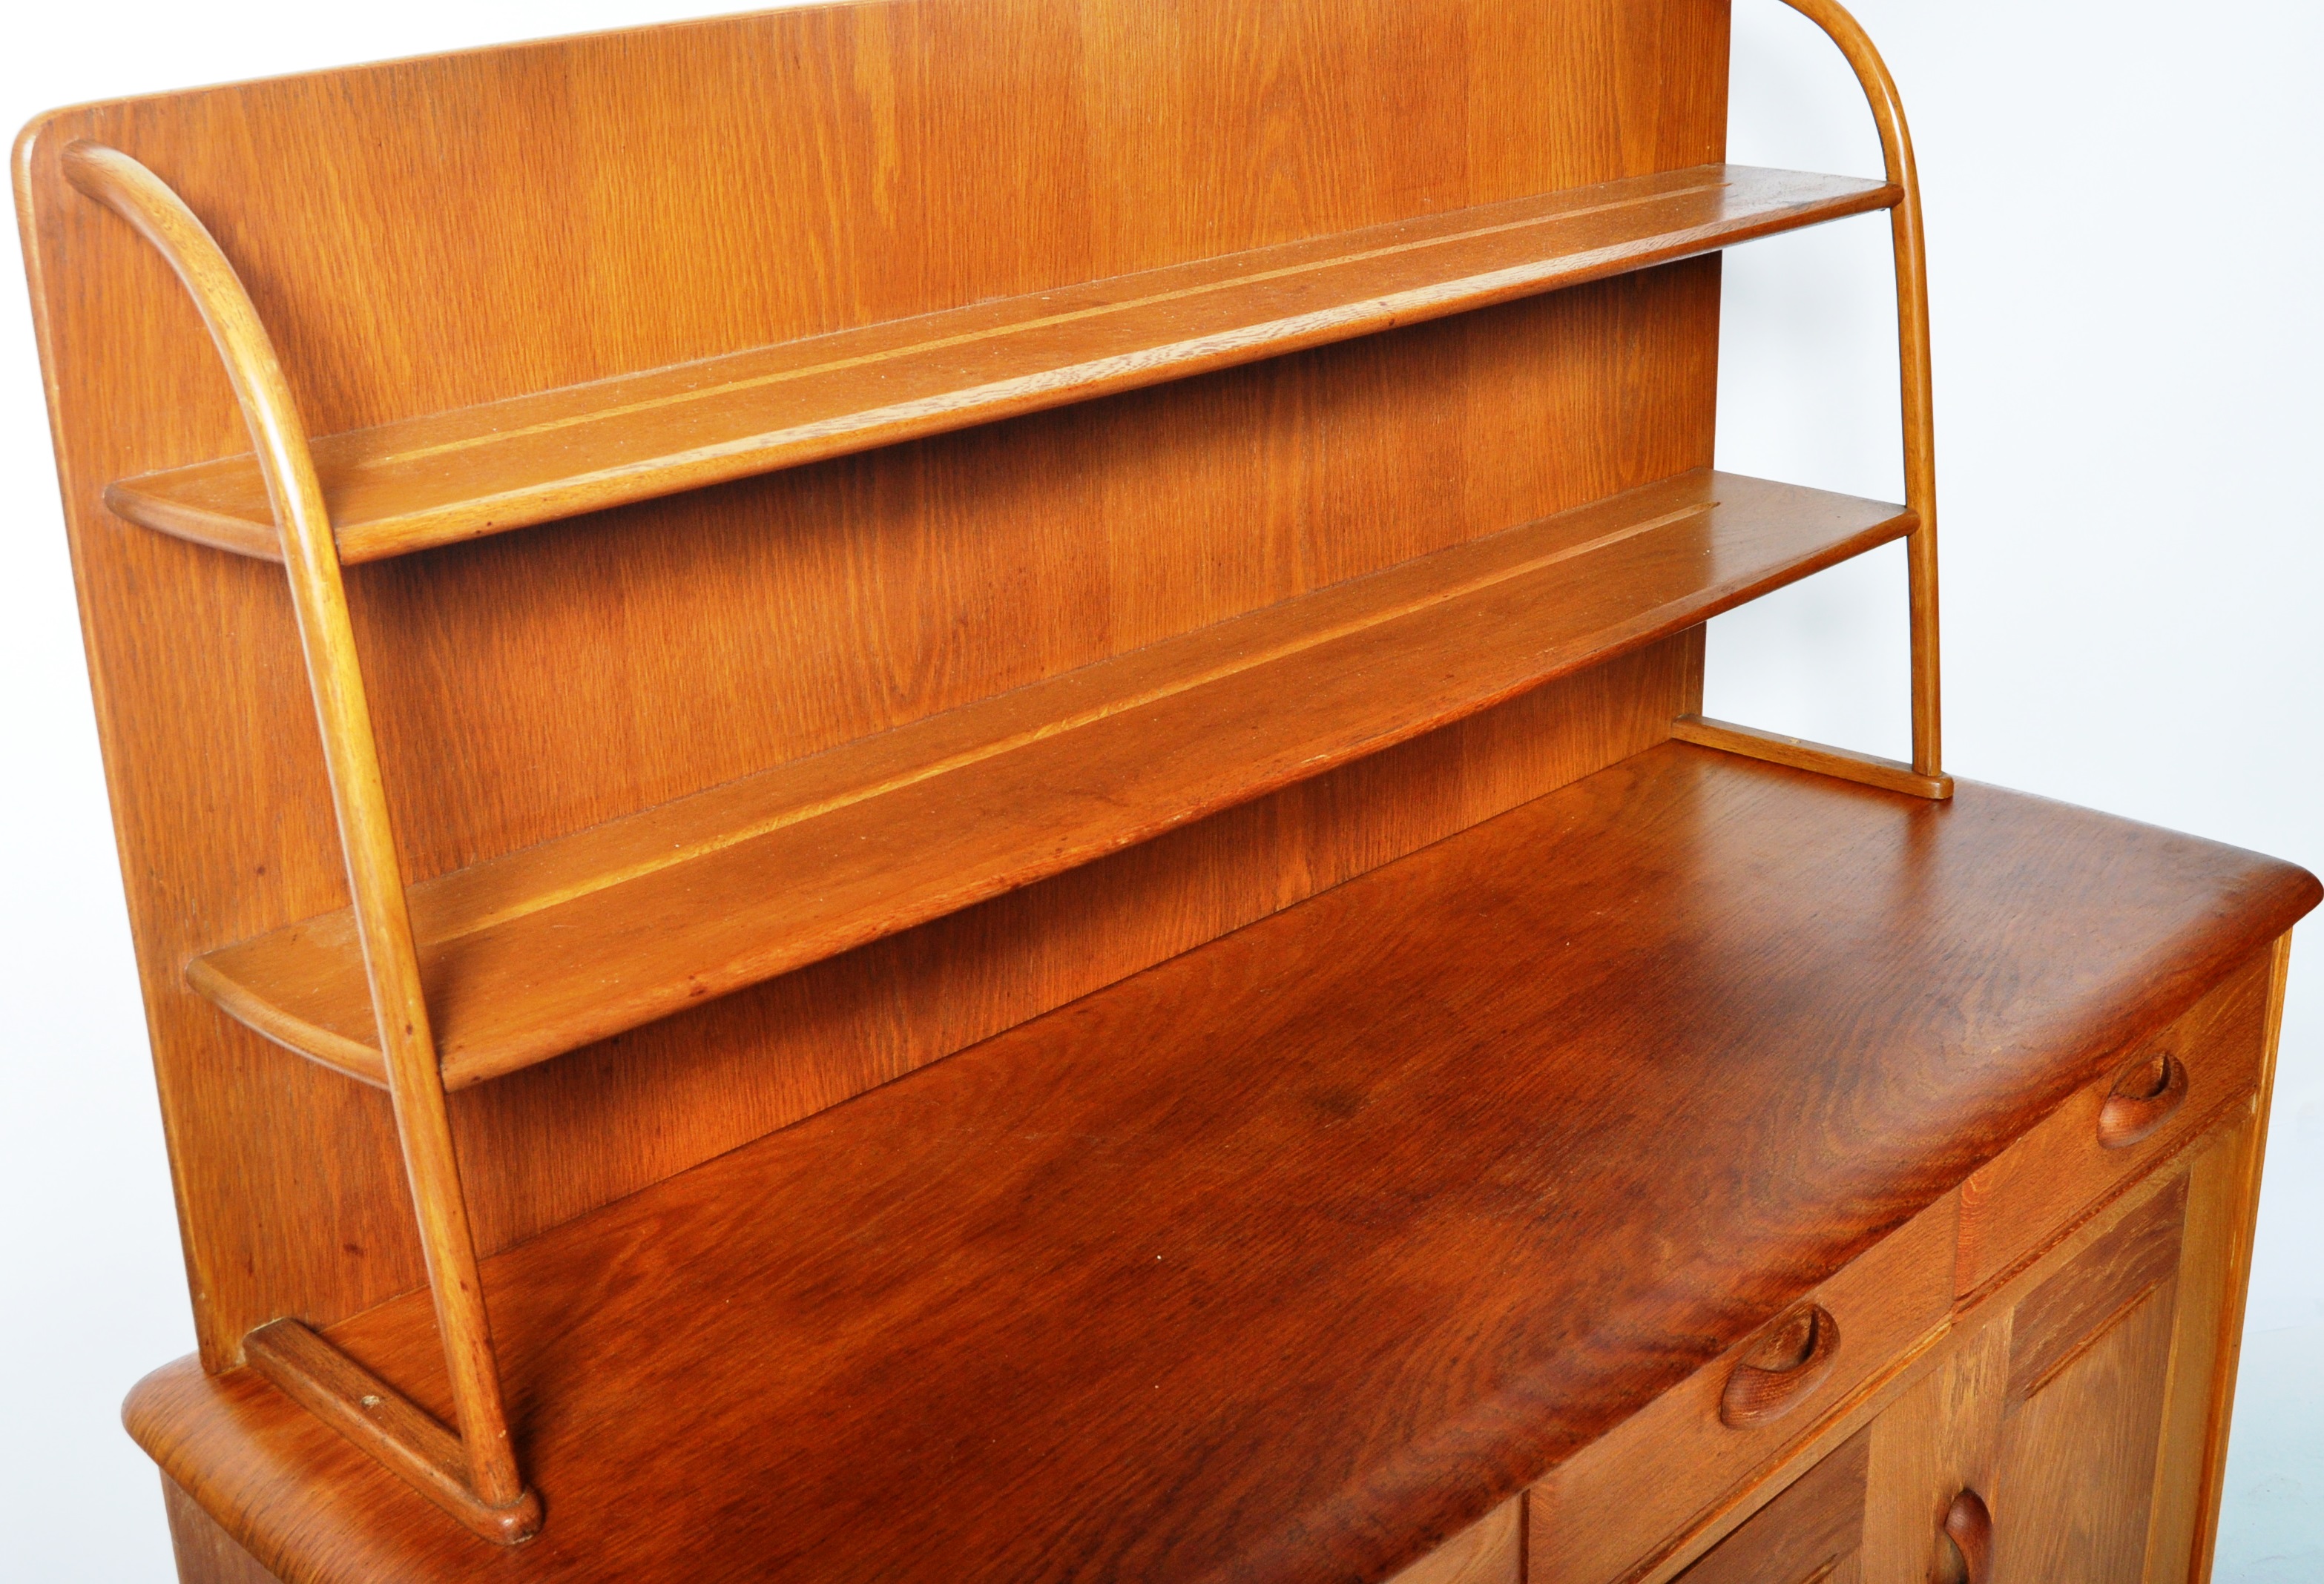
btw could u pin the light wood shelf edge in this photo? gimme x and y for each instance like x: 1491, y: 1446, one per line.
x: 1298, y: 688
x: 881, y: 384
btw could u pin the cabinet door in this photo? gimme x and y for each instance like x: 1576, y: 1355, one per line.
x: 2090, y: 1366
x: 1812, y: 1533
x: 2083, y: 1410
x: 2081, y: 1401
x: 2113, y: 1416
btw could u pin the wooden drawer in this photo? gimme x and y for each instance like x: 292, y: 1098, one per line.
x: 2083, y: 1153
x: 1622, y: 1500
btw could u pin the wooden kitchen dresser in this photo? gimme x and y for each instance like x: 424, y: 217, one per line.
x: 1011, y: 871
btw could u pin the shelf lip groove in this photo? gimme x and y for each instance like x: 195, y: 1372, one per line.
x: 443, y: 478
x: 542, y: 951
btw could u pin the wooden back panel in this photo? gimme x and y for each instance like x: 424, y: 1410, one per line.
x: 450, y: 230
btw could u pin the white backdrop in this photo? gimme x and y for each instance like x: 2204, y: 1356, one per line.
x: 2123, y: 229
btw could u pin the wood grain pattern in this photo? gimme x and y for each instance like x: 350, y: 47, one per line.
x: 1848, y: 764
x: 381, y: 1420
x: 450, y: 476
x: 1786, y: 1367
x: 1624, y: 1500
x: 2060, y: 1391
x: 1937, y: 1424
x: 1969, y: 1524
x: 589, y: 935
x: 2073, y: 1496
x: 2243, y: 1221
x: 1934, y: 1442
x: 1346, y: 1147
x: 1353, y: 1138
x: 1491, y: 1551
x: 1812, y: 1533
x: 2144, y: 1095
x: 2061, y: 1171
x: 2207, y: 1327
x: 895, y: 160
x: 2060, y: 1317
x: 1914, y: 367
x: 393, y: 1001
x: 206, y: 1553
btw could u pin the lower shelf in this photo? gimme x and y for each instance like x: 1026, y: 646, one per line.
x: 1262, y: 1262
x: 543, y: 951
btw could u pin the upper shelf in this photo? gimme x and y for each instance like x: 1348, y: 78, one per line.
x: 551, y: 948
x: 449, y: 476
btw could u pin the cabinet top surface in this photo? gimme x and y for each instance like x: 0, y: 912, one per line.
x: 1262, y: 1264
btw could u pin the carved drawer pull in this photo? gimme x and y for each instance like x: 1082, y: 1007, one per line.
x: 1784, y: 1369
x: 2145, y: 1095
x: 1971, y: 1526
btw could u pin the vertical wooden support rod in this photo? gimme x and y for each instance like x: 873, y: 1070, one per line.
x: 311, y: 555
x: 1913, y: 357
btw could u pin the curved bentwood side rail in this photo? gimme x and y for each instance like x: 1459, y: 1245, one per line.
x: 488, y: 1493
x: 1913, y: 359
x: 1925, y: 775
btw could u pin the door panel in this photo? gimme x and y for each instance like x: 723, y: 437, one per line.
x: 1812, y: 1533
x: 2074, y: 1309
x: 2076, y: 1483
x: 1932, y: 1444
x: 2213, y: 1264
